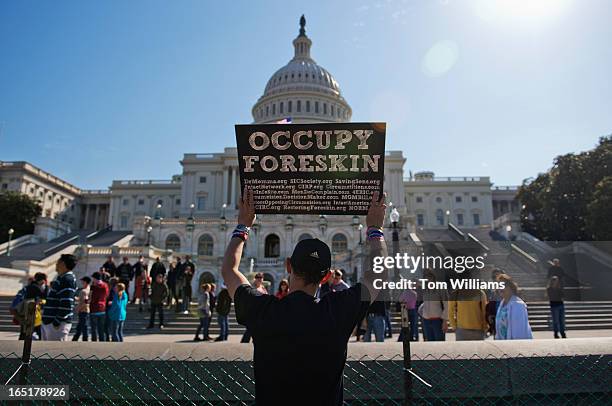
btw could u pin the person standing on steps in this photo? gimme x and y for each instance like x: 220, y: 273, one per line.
x: 159, y: 293
x: 224, y: 305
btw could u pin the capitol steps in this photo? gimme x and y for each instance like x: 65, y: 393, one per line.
x: 579, y: 316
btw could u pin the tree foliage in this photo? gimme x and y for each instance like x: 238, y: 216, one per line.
x: 573, y: 200
x: 19, y: 212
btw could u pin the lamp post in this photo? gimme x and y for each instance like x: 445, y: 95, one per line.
x: 322, y: 224
x: 223, y: 225
x: 149, y: 229
x: 8, y: 246
x: 509, y: 232
x: 190, y: 227
x: 289, y: 228
x: 448, y: 217
x: 395, y: 217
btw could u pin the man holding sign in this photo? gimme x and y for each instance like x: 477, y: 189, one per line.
x: 310, y: 336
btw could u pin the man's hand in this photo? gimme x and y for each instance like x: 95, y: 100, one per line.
x: 377, y: 210
x: 246, y: 208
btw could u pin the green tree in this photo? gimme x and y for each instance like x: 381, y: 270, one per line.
x: 599, y: 218
x: 19, y: 212
x: 561, y: 203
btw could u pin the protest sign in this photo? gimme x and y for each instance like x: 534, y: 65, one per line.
x: 324, y: 168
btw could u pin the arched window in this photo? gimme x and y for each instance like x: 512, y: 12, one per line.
x: 205, y: 245
x: 339, y: 243
x: 272, y: 248
x: 440, y: 217
x: 173, y: 242
x: 305, y: 236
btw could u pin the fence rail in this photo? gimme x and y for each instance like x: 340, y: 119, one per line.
x: 578, y: 379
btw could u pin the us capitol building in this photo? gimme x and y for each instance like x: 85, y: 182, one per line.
x: 194, y: 212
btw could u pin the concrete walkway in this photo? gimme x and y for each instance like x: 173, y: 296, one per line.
x: 188, y: 338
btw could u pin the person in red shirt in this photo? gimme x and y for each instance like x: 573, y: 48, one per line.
x: 97, y: 307
x: 283, y: 289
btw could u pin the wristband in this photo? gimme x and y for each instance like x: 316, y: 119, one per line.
x: 375, y: 233
x: 241, y: 231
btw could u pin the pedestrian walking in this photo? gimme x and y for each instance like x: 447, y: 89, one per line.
x: 118, y: 311
x: 224, y: 305
x: 99, y: 292
x: 467, y: 314
x: 59, y: 305
x: 512, y: 319
x: 159, y: 293
x: 82, y: 310
x: 557, y: 307
x: 204, y: 312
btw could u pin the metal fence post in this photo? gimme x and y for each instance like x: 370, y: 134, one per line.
x: 28, y: 328
x: 407, y: 357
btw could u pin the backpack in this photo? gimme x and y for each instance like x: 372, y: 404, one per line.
x: 16, y: 306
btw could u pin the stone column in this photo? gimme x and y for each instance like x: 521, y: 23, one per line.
x: 233, y: 195
x: 96, y: 221
x: 86, y: 216
x: 225, y: 182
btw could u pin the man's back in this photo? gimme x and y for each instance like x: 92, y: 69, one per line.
x: 300, y: 344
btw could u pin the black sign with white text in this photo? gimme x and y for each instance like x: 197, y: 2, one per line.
x: 325, y: 168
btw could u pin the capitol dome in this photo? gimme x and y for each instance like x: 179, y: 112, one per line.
x: 302, y: 90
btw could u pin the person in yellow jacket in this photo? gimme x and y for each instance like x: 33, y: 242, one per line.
x: 466, y: 314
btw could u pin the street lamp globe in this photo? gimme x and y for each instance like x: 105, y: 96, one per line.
x: 394, y: 216
x: 11, y: 231
x: 192, y: 206
x: 508, y: 228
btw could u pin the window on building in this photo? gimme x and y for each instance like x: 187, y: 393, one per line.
x: 419, y: 199
x: 4, y: 186
x: 205, y: 245
x: 173, y: 242
x: 202, y: 179
x: 459, y: 219
x: 476, y: 218
x: 339, y: 243
x: 299, y: 106
x: 282, y: 107
x: 325, y: 108
x: 474, y: 199
x: 420, y: 219
x: 160, y: 202
x: 332, y: 109
x: 290, y: 105
x: 177, y: 202
x: 274, y: 109
x: 272, y: 246
x: 140, y: 202
x: 438, y: 199
x: 305, y: 236
x: 123, y: 221
x: 308, y: 106
x: 440, y: 217
x: 49, y: 197
x: 126, y: 202
x: 201, y: 202
x: 317, y: 107
x: 458, y: 199
x: 267, y: 110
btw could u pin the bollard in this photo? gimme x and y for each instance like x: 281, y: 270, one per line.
x: 407, y: 357
x: 30, y: 315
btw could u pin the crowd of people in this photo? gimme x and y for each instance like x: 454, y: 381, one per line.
x: 99, y: 304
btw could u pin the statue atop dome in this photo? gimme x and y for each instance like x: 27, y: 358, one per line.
x: 302, y: 25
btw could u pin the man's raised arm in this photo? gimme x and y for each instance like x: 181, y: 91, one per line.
x: 232, y: 277
x: 375, y: 242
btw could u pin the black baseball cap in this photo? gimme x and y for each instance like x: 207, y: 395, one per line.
x: 311, y: 255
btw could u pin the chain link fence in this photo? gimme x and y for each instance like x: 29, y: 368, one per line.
x: 576, y: 380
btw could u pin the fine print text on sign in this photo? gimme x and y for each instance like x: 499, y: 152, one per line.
x: 326, y: 168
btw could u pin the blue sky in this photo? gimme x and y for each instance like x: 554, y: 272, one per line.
x: 96, y: 91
